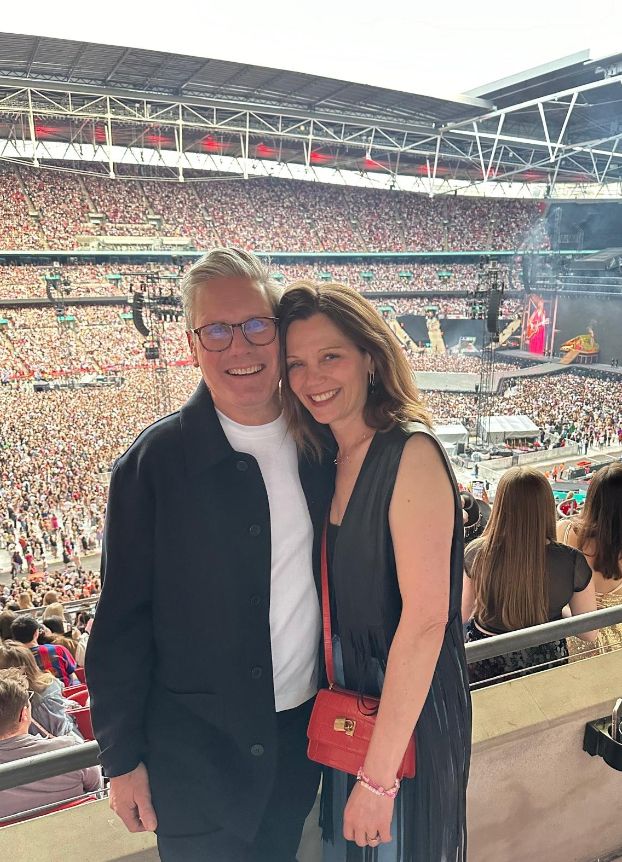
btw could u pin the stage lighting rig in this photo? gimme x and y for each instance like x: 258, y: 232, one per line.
x: 57, y: 289
x: 492, y: 280
x: 155, y: 304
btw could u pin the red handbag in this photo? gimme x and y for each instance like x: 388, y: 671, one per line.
x: 342, y: 721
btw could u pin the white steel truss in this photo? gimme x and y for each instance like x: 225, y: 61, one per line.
x: 550, y: 139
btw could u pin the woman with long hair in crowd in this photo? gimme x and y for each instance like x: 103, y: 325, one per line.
x: 394, y: 539
x: 597, y: 532
x: 60, y: 633
x: 517, y: 575
x: 48, y: 704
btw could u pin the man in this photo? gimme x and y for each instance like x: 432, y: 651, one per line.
x: 53, y: 658
x: 16, y: 743
x: 204, y: 734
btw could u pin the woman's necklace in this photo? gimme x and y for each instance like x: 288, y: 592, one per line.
x: 343, y: 459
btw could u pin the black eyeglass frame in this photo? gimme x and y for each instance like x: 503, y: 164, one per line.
x: 232, y: 326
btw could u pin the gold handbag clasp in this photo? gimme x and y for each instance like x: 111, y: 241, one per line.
x: 345, y: 725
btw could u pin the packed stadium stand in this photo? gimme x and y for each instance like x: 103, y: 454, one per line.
x: 50, y: 209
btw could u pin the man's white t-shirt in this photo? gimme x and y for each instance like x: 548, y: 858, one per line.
x: 295, y: 624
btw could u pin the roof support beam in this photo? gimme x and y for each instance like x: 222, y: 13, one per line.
x: 231, y: 78
x: 202, y: 67
x: 118, y: 64
x: 546, y: 129
x: 606, y: 170
x: 76, y: 60
x: 479, y: 150
x: 562, y: 131
x: 31, y: 126
x: 33, y: 54
x: 494, y: 145
x: 155, y: 73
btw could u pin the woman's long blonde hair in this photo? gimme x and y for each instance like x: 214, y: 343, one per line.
x: 13, y: 654
x: 393, y: 399
x: 509, y: 571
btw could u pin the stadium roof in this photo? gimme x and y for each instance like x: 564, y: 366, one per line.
x: 112, y: 67
x: 560, y: 123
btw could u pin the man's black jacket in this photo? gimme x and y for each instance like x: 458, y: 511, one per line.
x: 179, y: 660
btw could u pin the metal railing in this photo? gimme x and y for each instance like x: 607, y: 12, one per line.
x: 47, y: 765
x: 54, y: 763
x: 68, y: 607
x: 536, y: 635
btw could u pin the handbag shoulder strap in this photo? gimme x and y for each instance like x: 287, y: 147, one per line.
x: 326, y: 626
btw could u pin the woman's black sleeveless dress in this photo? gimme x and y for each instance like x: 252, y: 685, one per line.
x: 430, y: 813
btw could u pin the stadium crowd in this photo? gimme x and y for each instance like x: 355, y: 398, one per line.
x: 566, y: 407
x: 51, y: 208
x: 99, y: 279
x: 36, y: 343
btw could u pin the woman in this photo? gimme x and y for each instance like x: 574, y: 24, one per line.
x: 517, y: 575
x: 395, y: 541
x: 597, y: 532
x: 25, y: 601
x: 59, y: 634
x: 48, y: 704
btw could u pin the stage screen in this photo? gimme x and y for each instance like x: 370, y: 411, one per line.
x: 575, y: 314
x: 574, y: 224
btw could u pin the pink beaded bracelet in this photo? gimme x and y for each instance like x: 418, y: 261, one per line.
x: 378, y: 789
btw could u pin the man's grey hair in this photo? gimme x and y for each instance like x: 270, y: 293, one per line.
x: 226, y: 263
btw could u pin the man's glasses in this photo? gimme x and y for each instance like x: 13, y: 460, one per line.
x: 259, y: 331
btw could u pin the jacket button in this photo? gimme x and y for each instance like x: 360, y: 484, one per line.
x: 255, y: 601
x: 241, y: 466
x: 256, y: 672
x: 257, y: 750
x: 254, y: 529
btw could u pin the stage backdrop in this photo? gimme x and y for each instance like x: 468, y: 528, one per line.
x: 453, y: 329
x: 603, y: 314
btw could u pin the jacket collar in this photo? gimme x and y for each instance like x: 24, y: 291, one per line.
x: 205, y: 442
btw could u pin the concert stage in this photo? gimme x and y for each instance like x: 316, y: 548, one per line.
x: 546, y: 365
x: 441, y: 381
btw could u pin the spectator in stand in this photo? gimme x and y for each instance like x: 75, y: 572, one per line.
x: 6, y: 621
x: 52, y: 658
x: 55, y: 610
x: 84, y: 623
x: 49, y: 707
x: 517, y: 575
x: 597, y: 533
x: 25, y: 601
x: 59, y: 634
x: 17, y: 743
